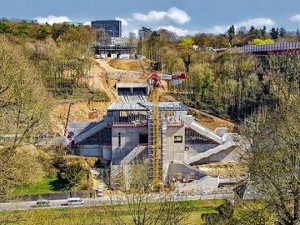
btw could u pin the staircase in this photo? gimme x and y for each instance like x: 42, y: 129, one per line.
x: 189, y: 120
x: 102, y: 124
x: 212, y: 151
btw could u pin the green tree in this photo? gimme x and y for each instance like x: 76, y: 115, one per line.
x: 274, y: 33
x: 263, y: 32
x: 298, y: 34
x: 253, y: 33
x: 144, y: 37
x: 5, y: 27
x: 43, y: 32
x: 170, y: 60
x: 201, y: 76
x: 185, y: 45
x: 72, y: 173
x: 282, y: 32
x: 231, y: 35
x: 258, y: 41
x: 201, y: 40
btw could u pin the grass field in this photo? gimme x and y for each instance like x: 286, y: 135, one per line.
x: 101, y: 214
x: 44, y: 186
x: 47, y: 185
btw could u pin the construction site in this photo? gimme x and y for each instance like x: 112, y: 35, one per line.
x: 138, y: 127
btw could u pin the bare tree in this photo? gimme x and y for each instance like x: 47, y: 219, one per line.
x: 274, y: 135
x: 23, y: 100
x: 140, y: 204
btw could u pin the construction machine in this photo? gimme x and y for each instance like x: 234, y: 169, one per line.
x: 156, y: 147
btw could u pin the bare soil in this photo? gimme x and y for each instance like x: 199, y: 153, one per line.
x: 97, y: 80
x: 130, y: 64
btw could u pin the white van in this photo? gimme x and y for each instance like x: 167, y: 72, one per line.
x: 75, y: 201
x: 43, y: 203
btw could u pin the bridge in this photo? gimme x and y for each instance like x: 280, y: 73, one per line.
x: 281, y: 48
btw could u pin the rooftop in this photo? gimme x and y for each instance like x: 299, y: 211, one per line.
x: 145, y: 106
x: 133, y: 85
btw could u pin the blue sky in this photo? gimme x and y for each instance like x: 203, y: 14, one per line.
x: 181, y: 16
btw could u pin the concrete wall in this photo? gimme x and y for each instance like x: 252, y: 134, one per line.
x: 98, y: 151
x: 90, y: 150
x: 198, y: 186
x: 174, y: 151
x: 129, y: 137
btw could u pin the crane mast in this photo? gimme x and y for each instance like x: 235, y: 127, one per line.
x: 157, y: 166
x: 156, y: 142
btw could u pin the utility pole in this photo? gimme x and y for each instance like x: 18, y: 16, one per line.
x: 67, y: 121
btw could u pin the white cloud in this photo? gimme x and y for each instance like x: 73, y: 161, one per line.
x: 87, y: 23
x: 178, y: 16
x: 152, y: 16
x: 178, y: 31
x: 52, y: 19
x: 255, y: 22
x: 174, y: 14
x: 217, y: 30
x: 124, y: 21
x: 295, y: 18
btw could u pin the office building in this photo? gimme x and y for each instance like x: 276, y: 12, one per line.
x: 111, y: 27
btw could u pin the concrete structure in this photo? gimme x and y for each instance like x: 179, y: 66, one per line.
x: 125, y: 136
x: 133, y: 92
x: 111, y: 27
x: 109, y: 50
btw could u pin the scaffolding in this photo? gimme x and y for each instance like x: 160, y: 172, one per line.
x: 155, y: 141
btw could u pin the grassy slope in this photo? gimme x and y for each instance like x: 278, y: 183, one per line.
x: 44, y: 186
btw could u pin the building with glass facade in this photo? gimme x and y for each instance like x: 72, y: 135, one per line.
x: 111, y: 27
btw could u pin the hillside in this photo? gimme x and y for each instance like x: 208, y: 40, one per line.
x: 85, y: 109
x: 130, y: 65
x: 210, y: 121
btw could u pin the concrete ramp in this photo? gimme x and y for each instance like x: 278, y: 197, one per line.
x: 212, y: 151
x: 184, y: 172
x: 89, y: 132
x: 189, y: 120
x: 138, y: 150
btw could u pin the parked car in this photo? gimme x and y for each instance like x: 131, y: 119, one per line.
x: 75, y: 201
x: 43, y: 203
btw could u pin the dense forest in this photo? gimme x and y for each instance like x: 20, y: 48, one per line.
x: 229, y: 83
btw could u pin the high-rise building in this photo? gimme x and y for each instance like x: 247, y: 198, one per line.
x: 111, y: 27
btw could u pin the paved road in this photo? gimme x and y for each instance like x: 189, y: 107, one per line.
x: 102, y: 201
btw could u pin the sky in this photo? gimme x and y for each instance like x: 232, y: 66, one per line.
x: 184, y: 17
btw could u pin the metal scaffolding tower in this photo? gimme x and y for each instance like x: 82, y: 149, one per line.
x: 156, y: 141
